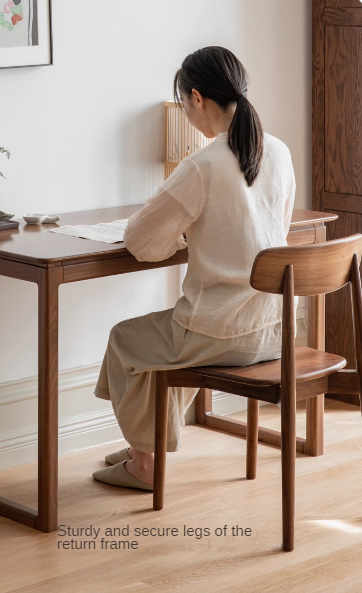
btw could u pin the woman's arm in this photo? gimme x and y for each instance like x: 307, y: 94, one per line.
x: 154, y: 233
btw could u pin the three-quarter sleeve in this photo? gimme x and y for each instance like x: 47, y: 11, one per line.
x: 154, y: 233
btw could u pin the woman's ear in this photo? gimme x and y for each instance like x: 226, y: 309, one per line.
x: 198, y: 100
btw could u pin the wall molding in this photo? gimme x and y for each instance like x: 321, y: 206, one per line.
x: 76, y: 431
x: 24, y: 389
x: 73, y: 426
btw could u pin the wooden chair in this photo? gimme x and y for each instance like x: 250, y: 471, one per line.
x: 300, y: 373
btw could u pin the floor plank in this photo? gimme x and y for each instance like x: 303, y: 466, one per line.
x: 205, y: 488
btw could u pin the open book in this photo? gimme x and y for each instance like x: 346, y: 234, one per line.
x: 107, y: 232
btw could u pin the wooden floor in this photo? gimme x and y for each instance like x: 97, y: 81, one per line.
x: 205, y: 488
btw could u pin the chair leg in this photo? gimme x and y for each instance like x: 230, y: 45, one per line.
x: 252, y: 438
x: 288, y: 411
x: 161, y: 414
x: 357, y: 317
x: 288, y: 470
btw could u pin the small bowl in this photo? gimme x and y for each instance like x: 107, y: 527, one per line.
x: 49, y: 219
x: 34, y: 218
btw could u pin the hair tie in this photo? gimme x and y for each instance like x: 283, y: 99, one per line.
x: 241, y: 95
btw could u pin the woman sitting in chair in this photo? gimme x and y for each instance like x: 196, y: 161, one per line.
x: 231, y: 200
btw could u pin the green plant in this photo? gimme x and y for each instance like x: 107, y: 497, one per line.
x: 7, y: 153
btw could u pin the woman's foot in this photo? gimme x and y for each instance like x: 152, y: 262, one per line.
x: 117, y: 475
x: 118, y: 456
x: 140, y: 465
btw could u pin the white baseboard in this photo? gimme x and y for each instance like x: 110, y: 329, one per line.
x: 85, y: 421
x: 71, y: 379
x: 75, y: 433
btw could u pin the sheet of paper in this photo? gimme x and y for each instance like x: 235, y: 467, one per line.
x: 107, y: 232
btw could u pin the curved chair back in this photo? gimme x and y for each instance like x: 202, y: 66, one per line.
x: 318, y: 268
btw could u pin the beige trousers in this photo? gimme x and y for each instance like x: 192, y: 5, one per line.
x: 138, y: 347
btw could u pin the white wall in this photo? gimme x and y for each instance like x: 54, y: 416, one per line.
x: 276, y: 47
x: 88, y: 133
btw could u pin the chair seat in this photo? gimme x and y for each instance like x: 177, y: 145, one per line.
x: 310, y: 364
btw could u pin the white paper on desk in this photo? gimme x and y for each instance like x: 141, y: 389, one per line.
x: 107, y: 232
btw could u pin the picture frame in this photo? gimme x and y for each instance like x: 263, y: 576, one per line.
x: 25, y: 33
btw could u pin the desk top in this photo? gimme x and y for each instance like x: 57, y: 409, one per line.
x: 34, y: 244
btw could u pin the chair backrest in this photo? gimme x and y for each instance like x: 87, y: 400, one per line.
x: 318, y: 268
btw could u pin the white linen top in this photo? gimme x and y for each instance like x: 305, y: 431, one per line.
x: 226, y: 224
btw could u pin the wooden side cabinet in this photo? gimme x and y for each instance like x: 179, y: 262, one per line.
x: 337, y: 144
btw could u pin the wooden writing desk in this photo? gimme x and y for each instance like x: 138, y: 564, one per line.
x: 32, y: 253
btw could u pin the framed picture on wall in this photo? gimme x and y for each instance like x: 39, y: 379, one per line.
x: 25, y: 33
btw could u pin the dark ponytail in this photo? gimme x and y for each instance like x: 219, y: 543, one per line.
x: 217, y: 74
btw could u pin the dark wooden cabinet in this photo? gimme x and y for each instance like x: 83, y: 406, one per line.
x: 337, y: 143
x: 343, y: 3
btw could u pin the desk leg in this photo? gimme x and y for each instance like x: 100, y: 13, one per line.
x: 48, y: 285
x: 315, y: 405
x: 203, y: 405
x: 316, y: 339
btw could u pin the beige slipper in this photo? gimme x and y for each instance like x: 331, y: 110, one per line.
x: 117, y: 475
x: 119, y: 456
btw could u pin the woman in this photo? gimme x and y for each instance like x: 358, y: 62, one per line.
x: 231, y: 199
